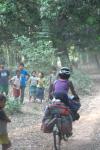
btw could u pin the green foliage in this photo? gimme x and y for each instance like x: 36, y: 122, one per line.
x: 38, y: 54
x: 12, y: 106
x: 82, y: 82
x: 19, y: 17
x: 7, y: 6
x: 72, y: 21
x: 36, y: 22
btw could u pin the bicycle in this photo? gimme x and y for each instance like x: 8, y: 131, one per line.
x: 58, y: 135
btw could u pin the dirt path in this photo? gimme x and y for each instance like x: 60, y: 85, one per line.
x: 87, y: 129
x: 25, y: 133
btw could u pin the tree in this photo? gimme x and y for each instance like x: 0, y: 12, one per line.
x: 19, y: 17
x: 36, y: 55
x: 67, y: 23
x: 70, y: 21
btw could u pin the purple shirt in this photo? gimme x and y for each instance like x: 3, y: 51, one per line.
x: 61, y: 86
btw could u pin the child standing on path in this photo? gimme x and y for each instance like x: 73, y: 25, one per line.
x: 15, y: 80
x: 40, y: 87
x: 4, y: 79
x: 23, y: 81
x: 33, y: 86
x: 4, y: 140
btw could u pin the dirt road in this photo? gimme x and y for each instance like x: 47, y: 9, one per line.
x: 87, y: 130
x: 25, y: 133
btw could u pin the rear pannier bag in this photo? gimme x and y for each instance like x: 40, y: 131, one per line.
x: 49, y: 120
x: 59, y: 108
x: 47, y: 125
x: 66, y: 124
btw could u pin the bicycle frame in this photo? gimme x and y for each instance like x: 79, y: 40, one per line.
x: 58, y: 135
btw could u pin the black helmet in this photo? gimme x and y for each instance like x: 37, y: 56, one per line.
x: 64, y: 73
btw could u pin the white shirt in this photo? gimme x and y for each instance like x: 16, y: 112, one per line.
x: 16, y: 82
x: 33, y: 81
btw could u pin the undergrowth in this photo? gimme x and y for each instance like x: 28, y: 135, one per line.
x: 12, y: 106
x: 82, y: 82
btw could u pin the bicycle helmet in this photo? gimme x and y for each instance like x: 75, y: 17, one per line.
x: 64, y: 73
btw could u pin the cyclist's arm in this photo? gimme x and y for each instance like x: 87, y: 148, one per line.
x: 71, y: 87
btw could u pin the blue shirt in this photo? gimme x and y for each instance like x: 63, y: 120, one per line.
x: 23, y: 79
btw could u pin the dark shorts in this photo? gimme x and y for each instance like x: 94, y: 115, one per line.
x: 63, y: 97
x: 32, y: 90
x: 40, y: 93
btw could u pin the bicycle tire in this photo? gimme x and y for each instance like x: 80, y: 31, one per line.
x: 57, y: 141
x: 65, y: 138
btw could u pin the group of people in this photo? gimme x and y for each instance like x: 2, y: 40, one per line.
x: 19, y: 81
x: 59, y: 83
x: 59, y: 87
x: 36, y: 84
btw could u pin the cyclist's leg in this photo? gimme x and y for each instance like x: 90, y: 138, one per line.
x: 63, y: 97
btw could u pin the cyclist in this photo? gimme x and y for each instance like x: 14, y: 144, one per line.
x: 61, y: 88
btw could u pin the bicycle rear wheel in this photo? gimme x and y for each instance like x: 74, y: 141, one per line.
x: 57, y: 140
x: 65, y: 138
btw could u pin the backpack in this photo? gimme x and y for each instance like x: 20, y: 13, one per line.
x: 74, y: 105
x: 66, y: 125
x: 47, y: 125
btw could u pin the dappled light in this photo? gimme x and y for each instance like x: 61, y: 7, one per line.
x: 50, y: 74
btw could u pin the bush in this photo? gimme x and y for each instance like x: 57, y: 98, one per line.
x: 12, y: 106
x: 82, y: 82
